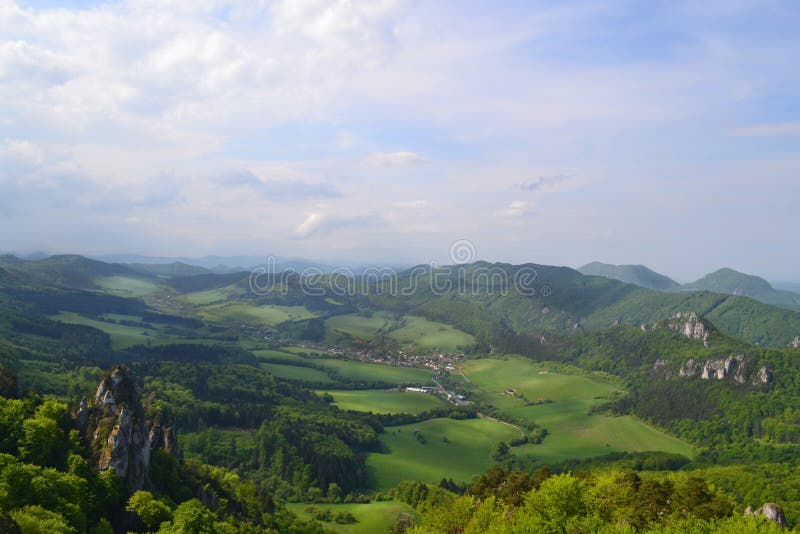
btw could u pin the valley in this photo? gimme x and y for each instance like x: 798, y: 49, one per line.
x: 296, y: 392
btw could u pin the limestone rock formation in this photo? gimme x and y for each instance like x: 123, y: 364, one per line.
x: 733, y: 366
x: 770, y: 511
x: 690, y: 325
x: 162, y: 435
x: 115, y: 427
x: 795, y: 344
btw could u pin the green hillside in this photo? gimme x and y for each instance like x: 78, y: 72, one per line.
x: 638, y: 275
x: 732, y: 282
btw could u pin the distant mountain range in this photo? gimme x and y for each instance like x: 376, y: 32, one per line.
x: 630, y: 274
x: 725, y: 281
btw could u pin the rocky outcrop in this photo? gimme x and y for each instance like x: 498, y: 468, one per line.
x: 733, y: 367
x: 770, y: 511
x: 115, y: 427
x: 717, y: 369
x: 795, y: 344
x: 690, y: 325
x: 162, y: 435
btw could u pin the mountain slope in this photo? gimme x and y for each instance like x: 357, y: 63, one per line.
x: 70, y: 271
x: 564, y: 301
x: 630, y: 274
x: 733, y: 282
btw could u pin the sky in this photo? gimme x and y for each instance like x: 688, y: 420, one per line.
x: 657, y: 133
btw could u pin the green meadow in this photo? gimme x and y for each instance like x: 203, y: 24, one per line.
x: 431, y: 335
x: 238, y: 312
x: 122, y: 336
x: 370, y: 372
x: 378, y: 516
x: 451, y: 449
x: 295, y: 372
x: 379, y: 401
x: 210, y: 296
x: 359, y: 326
x: 126, y: 286
x: 564, y: 411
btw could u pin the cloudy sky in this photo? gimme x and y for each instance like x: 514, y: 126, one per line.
x: 664, y: 133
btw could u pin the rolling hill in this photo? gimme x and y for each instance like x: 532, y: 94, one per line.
x: 630, y: 274
x: 733, y: 282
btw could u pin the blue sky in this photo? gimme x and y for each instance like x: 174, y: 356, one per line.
x: 663, y: 133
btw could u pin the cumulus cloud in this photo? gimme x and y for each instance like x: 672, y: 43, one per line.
x: 401, y: 158
x: 220, y: 121
x: 322, y: 224
x: 517, y: 208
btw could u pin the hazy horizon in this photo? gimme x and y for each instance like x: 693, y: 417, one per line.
x: 556, y: 133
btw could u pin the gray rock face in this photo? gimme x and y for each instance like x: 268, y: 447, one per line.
x: 117, y: 429
x: 162, y: 436
x: 690, y: 325
x: 770, y: 511
x: 795, y: 344
x: 733, y: 366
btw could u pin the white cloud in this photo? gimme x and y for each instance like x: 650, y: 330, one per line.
x: 401, y: 158
x: 517, y: 208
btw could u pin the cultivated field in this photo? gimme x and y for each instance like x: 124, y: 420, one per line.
x: 126, y: 286
x: 464, y: 453
x: 564, y: 412
x: 431, y: 335
x: 269, y: 315
x: 295, y: 372
x: 379, y: 401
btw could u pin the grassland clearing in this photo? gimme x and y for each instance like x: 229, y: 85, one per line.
x: 373, y: 517
x: 561, y: 403
x: 381, y: 401
x: 458, y: 449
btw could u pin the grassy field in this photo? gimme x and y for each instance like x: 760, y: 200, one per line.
x: 411, y: 329
x: 359, y: 326
x: 210, y: 296
x: 126, y: 286
x: 373, y: 517
x: 431, y: 335
x: 465, y: 453
x: 573, y: 432
x: 255, y: 315
x: 122, y: 336
x: 295, y: 372
x: 271, y: 354
x: 304, y: 350
x: 368, y: 372
x: 379, y: 401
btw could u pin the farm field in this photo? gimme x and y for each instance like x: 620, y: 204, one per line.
x: 380, y: 401
x: 431, y: 335
x: 573, y: 432
x: 272, y: 355
x: 358, y: 326
x: 410, y: 329
x: 295, y: 372
x: 376, y: 516
x: 255, y: 315
x: 210, y: 296
x: 122, y: 336
x: 127, y: 286
x: 370, y: 372
x: 465, y: 453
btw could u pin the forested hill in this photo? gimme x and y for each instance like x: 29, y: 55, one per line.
x: 725, y: 281
x: 630, y: 274
x: 560, y: 300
